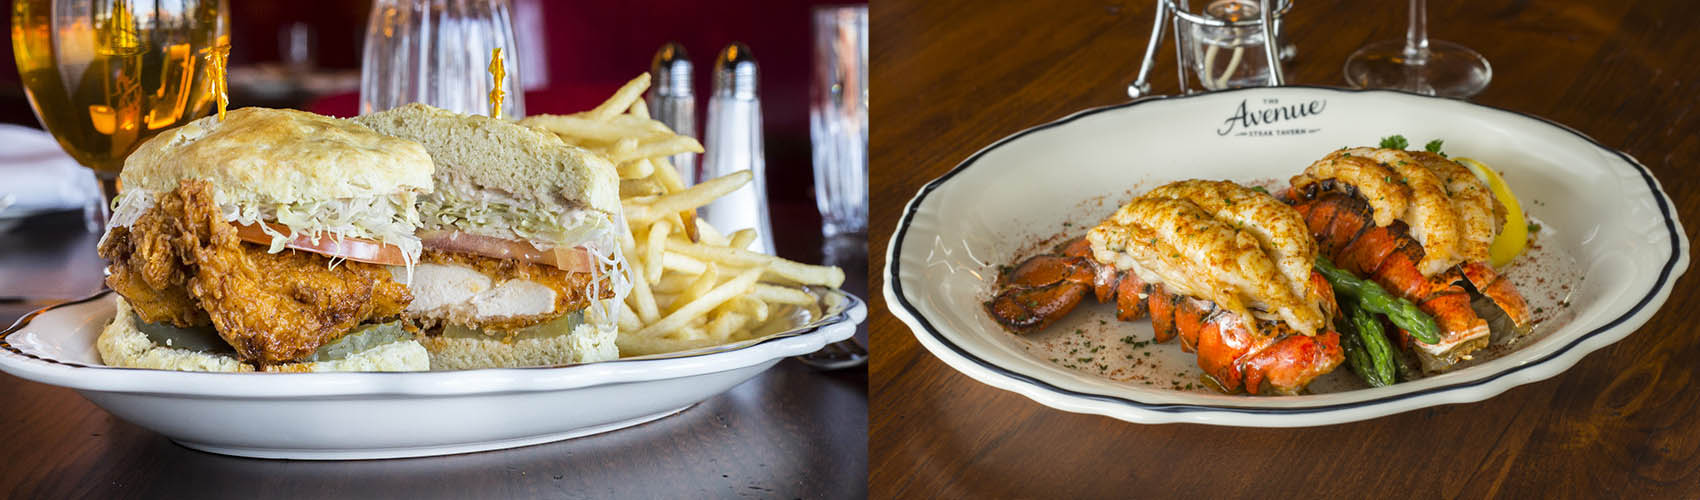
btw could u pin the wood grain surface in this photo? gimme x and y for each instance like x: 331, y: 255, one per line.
x: 954, y: 76
x: 791, y: 432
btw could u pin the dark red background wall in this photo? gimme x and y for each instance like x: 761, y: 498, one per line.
x: 593, y: 47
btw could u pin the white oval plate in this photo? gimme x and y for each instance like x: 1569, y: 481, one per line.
x: 1606, y: 210
x: 337, y: 416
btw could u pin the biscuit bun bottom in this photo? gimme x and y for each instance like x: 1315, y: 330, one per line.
x: 124, y: 346
x: 587, y: 343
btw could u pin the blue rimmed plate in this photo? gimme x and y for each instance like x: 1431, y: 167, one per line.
x: 1607, y: 227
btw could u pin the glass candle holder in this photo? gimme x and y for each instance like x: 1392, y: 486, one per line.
x: 1222, y: 44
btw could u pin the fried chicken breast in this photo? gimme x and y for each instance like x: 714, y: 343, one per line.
x: 182, y: 263
x: 496, y: 294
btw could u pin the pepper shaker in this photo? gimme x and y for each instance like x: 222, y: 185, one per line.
x: 673, y: 101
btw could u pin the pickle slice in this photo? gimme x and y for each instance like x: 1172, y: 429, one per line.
x: 206, y: 340
x: 559, y: 326
x: 199, y: 339
x: 362, y: 338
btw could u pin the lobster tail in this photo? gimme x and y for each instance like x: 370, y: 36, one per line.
x: 1388, y: 255
x: 1271, y: 358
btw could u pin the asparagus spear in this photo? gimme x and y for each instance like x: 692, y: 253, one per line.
x: 1378, y: 350
x: 1356, y: 357
x: 1403, y: 313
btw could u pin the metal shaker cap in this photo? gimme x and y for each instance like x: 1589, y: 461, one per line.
x: 672, y: 71
x: 735, y: 73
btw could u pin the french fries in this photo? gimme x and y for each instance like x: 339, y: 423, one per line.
x: 691, y: 198
x: 693, y: 285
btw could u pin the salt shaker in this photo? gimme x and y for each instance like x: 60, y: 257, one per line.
x: 734, y: 142
x: 673, y: 101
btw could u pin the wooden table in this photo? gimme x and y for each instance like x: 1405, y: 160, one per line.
x: 790, y: 432
x: 954, y: 76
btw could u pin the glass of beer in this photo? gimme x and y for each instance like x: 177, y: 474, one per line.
x: 105, y: 75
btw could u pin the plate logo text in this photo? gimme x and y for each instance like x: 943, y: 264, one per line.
x: 1256, y: 121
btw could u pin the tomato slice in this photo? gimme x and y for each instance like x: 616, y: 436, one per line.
x: 571, y: 259
x: 355, y: 249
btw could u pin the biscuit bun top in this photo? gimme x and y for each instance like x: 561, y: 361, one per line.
x: 280, y: 156
x: 486, y: 154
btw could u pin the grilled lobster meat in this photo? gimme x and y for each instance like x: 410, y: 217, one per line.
x: 1223, y: 267
x: 1419, y: 225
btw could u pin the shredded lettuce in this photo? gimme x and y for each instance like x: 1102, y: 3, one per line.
x: 386, y: 219
x: 489, y: 213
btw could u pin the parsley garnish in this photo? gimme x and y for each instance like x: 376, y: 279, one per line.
x: 1434, y: 147
x: 1394, y: 142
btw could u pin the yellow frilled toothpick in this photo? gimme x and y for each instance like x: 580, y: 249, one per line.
x: 499, y: 73
x: 217, y: 56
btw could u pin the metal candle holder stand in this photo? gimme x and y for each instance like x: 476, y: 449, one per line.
x: 1268, y: 19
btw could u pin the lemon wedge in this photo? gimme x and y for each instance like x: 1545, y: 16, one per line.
x: 1515, y: 235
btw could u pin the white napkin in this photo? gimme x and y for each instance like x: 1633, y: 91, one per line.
x: 36, y: 176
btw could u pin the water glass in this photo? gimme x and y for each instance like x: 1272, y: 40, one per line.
x: 437, y: 52
x: 838, y: 118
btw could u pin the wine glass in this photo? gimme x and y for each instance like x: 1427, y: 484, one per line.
x: 1418, y: 64
x: 105, y: 75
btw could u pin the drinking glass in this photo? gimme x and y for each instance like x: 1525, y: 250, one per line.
x: 1418, y: 64
x: 838, y: 118
x: 105, y: 75
x: 437, y: 52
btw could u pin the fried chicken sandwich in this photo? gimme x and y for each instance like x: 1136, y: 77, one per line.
x: 264, y: 242
x: 521, y: 263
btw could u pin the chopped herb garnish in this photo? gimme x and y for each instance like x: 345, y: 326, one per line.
x: 1260, y: 189
x: 1394, y: 142
x: 1534, y: 228
x: 1434, y: 147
